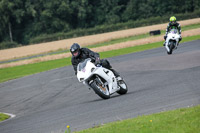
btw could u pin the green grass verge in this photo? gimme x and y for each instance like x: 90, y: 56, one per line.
x: 114, y: 41
x: 3, y: 117
x: 189, y: 27
x: 23, y: 70
x: 185, y: 120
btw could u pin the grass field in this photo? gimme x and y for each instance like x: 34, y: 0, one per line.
x: 3, y: 117
x: 185, y: 120
x: 23, y: 70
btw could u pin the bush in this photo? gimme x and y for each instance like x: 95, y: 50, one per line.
x: 5, y: 45
x: 113, y: 27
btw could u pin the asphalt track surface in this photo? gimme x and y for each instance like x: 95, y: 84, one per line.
x: 49, y: 101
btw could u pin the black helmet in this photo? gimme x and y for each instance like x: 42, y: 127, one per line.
x: 75, y: 50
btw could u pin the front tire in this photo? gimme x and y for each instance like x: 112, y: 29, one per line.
x: 169, y: 52
x: 171, y: 47
x: 101, y: 91
x: 123, y: 87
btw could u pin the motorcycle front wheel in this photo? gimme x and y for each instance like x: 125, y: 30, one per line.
x: 171, y: 47
x: 100, y: 90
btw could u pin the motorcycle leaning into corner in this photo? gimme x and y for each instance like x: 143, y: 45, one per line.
x: 101, y: 80
x: 172, y: 41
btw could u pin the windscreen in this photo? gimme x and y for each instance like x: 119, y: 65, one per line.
x: 82, y: 64
x: 174, y: 31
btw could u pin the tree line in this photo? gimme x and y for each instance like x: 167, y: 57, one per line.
x: 21, y: 20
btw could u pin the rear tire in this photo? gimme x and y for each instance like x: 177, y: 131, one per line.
x: 102, y: 92
x: 123, y: 87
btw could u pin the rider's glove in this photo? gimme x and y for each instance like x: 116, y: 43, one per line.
x: 97, y: 61
x: 180, y: 38
x: 165, y: 37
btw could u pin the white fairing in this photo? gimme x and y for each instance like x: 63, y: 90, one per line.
x: 172, y: 35
x: 87, y: 69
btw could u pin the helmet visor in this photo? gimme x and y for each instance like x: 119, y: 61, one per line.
x: 173, y: 22
x: 75, y: 53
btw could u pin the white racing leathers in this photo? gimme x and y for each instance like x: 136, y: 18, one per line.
x: 101, y: 80
x: 172, y: 41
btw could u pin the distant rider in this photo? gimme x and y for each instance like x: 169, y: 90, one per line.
x: 80, y: 54
x: 173, y: 25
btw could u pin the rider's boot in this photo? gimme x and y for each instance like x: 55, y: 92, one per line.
x: 177, y: 44
x: 164, y: 43
x: 179, y: 41
x: 116, y: 74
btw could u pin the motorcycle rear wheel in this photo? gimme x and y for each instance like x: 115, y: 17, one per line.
x: 123, y: 87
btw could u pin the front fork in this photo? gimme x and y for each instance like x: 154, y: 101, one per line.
x: 99, y: 81
x: 96, y: 79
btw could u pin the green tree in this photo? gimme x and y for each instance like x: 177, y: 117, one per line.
x: 51, y: 16
x: 12, y: 15
x: 109, y: 11
x: 6, y: 16
x: 21, y: 20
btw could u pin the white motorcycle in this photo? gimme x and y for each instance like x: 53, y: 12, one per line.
x: 172, y: 41
x: 100, y: 79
